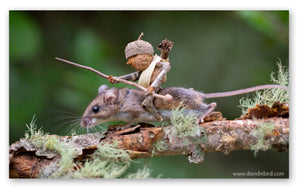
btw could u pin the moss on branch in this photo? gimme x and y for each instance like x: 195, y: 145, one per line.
x: 108, y: 154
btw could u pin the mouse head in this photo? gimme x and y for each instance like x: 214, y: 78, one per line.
x: 102, y: 108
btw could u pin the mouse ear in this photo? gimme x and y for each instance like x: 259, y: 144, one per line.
x: 102, y: 89
x: 110, y: 97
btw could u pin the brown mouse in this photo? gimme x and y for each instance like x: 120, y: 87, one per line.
x: 125, y: 104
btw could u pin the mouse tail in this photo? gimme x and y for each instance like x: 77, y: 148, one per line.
x: 243, y: 91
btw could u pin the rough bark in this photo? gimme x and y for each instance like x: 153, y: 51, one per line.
x: 27, y: 159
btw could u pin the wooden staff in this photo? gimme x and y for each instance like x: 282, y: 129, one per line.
x: 167, y: 97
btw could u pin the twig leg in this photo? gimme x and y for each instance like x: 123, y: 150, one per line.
x: 148, y: 103
x: 209, y: 108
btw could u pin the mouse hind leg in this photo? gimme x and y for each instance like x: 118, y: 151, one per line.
x: 148, y: 104
x: 204, y: 110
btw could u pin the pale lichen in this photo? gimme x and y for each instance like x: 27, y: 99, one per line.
x: 228, y: 140
x: 112, y: 152
x: 107, y: 161
x: 159, y: 146
x: 259, y: 133
x: 33, y: 133
x: 188, y: 133
x: 140, y: 174
x: 184, y: 123
x: 269, y: 96
x: 99, y: 168
x: 186, y: 126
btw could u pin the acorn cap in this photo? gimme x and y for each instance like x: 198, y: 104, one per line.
x: 138, y: 47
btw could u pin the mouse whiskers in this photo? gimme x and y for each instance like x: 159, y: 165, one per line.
x: 68, y: 123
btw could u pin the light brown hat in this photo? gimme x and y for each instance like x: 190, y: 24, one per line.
x: 138, y: 47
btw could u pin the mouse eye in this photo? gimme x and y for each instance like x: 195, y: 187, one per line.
x: 96, y: 109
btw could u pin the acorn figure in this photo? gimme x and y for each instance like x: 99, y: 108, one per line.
x: 151, y: 70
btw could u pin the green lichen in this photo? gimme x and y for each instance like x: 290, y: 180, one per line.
x: 66, y: 164
x: 269, y: 96
x: 99, y: 168
x: 188, y: 132
x: 67, y: 153
x: 140, y: 174
x: 259, y: 133
x: 159, y: 146
x: 33, y: 133
x: 44, y: 141
x: 51, y: 142
x: 108, y: 161
x: 111, y: 152
x: 184, y: 123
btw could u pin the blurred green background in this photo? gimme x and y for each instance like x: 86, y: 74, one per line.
x: 214, y: 51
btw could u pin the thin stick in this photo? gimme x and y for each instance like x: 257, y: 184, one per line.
x: 140, y: 36
x: 167, y: 97
x: 84, y: 67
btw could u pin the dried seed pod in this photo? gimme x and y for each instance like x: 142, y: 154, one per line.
x: 165, y: 47
x: 138, y: 47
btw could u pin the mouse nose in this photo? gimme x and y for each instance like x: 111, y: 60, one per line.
x: 85, y: 121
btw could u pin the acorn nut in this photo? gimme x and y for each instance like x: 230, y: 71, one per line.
x: 138, y: 47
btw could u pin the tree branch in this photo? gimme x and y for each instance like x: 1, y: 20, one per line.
x: 27, y: 159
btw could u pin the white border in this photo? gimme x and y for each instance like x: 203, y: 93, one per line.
x: 151, y: 5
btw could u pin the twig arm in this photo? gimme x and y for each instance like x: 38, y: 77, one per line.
x: 134, y: 76
x: 82, y: 66
x: 157, y: 82
x: 167, y: 97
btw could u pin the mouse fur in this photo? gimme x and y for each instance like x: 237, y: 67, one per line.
x: 125, y: 105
